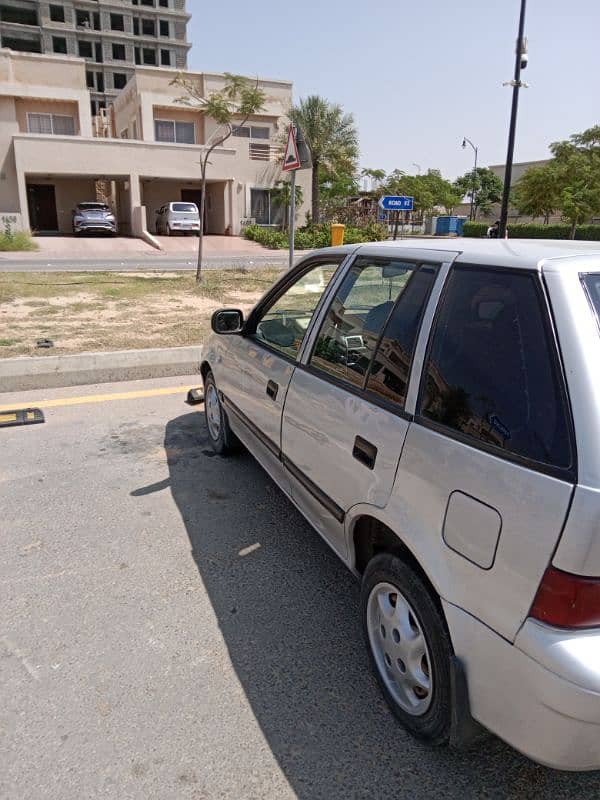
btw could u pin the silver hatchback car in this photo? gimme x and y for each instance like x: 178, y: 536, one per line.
x: 433, y: 409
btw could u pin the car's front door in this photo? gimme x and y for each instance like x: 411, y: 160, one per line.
x: 344, y: 423
x: 257, y: 366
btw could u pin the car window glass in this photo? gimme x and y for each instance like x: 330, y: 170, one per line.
x: 591, y: 281
x: 390, y: 370
x: 357, y: 315
x: 284, y: 324
x: 491, y: 373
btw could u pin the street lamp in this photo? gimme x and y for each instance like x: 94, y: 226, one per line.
x: 418, y: 166
x: 465, y: 142
x: 520, y: 63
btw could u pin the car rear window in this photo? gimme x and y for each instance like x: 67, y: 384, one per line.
x: 591, y: 283
x: 188, y: 208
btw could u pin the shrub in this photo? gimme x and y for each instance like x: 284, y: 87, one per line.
x: 19, y: 240
x: 313, y: 237
x: 531, y: 230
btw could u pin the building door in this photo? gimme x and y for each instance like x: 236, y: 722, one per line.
x: 41, y: 200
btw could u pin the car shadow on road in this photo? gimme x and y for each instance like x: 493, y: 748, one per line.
x: 288, y: 612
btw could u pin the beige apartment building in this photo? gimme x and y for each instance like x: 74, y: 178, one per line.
x: 53, y: 155
x: 113, y: 36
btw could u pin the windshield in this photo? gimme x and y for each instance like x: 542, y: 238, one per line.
x: 188, y: 208
x: 93, y: 207
x: 592, y: 286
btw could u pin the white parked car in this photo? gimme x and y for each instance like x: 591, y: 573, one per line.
x: 433, y: 409
x: 178, y: 218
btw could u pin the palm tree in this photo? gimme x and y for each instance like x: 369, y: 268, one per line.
x: 331, y: 137
x: 281, y: 195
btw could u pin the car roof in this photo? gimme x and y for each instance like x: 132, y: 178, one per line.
x: 515, y: 253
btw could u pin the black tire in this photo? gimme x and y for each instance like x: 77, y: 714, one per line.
x: 433, y: 726
x: 169, y: 231
x: 226, y: 442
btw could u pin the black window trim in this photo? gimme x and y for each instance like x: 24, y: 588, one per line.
x: 363, y: 391
x: 279, y: 289
x: 562, y: 473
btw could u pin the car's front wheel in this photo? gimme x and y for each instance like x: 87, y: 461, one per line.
x: 409, y: 647
x: 222, y: 438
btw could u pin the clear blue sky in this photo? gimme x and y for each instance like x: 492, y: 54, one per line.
x: 418, y: 76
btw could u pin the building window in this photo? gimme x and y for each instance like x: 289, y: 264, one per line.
x: 119, y: 80
x: 59, y: 44
x: 57, y: 14
x: 82, y: 19
x: 89, y: 79
x: 263, y: 209
x: 147, y: 3
x: 118, y: 52
x: 137, y: 55
x: 100, y: 81
x: 85, y: 49
x: 56, y: 124
x: 165, y: 58
x: 136, y: 26
x: 163, y: 25
x: 148, y: 27
x: 117, y: 23
x: 98, y: 52
x: 163, y: 3
x: 149, y: 56
x: 260, y: 152
x: 22, y: 16
x: 174, y: 132
x: 252, y: 131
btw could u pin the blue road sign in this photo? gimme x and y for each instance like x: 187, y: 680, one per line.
x: 383, y: 217
x: 392, y: 202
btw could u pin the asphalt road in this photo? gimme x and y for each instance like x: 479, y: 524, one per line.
x: 137, y: 263
x: 172, y: 628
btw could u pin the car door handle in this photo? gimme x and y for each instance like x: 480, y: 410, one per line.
x: 365, y: 452
x: 272, y: 389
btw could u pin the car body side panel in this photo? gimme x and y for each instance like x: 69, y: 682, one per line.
x: 532, y: 507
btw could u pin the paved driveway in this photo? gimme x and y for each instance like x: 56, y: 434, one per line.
x: 172, y: 628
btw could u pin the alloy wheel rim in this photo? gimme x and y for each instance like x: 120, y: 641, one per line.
x: 213, y: 412
x: 400, y: 649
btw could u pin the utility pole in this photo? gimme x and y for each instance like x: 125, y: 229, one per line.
x: 474, y: 184
x: 520, y: 63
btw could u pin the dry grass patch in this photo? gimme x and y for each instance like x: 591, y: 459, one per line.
x: 115, y: 311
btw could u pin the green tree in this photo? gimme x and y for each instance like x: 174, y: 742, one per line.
x: 235, y: 103
x: 537, y: 194
x: 577, y: 165
x: 281, y: 195
x: 485, y: 186
x: 429, y: 191
x: 376, y: 177
x: 332, y: 139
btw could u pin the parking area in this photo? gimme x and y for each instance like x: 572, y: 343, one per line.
x: 172, y: 628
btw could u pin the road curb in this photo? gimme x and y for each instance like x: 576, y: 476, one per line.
x: 53, y: 372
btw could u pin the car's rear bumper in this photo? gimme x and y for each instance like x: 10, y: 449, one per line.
x: 95, y: 227
x: 541, y: 695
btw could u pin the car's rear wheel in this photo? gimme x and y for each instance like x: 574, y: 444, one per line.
x: 409, y: 647
x: 169, y: 232
x: 222, y: 438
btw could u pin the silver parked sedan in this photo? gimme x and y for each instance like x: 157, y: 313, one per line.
x: 94, y: 218
x: 433, y: 409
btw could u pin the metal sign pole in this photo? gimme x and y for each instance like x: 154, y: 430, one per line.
x: 292, y: 215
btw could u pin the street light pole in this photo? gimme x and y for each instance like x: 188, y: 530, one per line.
x: 472, y: 210
x: 520, y: 63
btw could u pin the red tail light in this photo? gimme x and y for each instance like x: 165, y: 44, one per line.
x: 567, y: 601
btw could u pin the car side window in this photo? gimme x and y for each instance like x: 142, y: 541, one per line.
x: 284, y: 323
x: 492, y: 372
x: 358, y: 313
x: 390, y: 369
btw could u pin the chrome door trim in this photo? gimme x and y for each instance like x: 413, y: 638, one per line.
x: 418, y: 359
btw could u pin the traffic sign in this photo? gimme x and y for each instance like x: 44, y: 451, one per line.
x: 291, y: 159
x: 391, y: 202
x: 382, y: 217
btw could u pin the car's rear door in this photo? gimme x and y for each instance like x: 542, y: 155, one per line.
x: 256, y: 368
x: 344, y: 423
